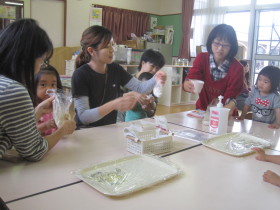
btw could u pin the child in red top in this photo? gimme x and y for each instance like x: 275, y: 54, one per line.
x: 47, y: 78
x: 221, y: 72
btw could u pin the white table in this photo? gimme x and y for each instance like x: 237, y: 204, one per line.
x: 210, y: 180
x: 81, y: 149
x: 248, y: 126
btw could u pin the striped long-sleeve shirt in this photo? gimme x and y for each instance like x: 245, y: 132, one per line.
x: 17, y: 122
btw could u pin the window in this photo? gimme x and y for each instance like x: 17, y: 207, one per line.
x: 268, y: 40
x: 265, y: 2
x: 240, y: 21
x: 227, y: 3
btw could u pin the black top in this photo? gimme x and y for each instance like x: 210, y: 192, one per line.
x: 87, y: 82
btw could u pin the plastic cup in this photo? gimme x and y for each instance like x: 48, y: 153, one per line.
x: 198, y: 85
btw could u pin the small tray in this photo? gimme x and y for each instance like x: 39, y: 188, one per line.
x: 236, y: 144
x: 126, y: 175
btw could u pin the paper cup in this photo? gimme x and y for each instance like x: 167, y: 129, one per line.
x: 198, y: 85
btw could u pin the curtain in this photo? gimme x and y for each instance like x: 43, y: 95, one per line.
x: 187, y: 12
x: 206, y: 15
x: 123, y: 22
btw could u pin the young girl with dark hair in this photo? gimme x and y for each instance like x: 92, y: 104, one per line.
x: 221, y: 72
x: 47, y: 79
x: 24, y: 46
x: 97, y: 80
x: 264, y: 99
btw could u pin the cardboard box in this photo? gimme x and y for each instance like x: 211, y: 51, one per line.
x: 134, y: 44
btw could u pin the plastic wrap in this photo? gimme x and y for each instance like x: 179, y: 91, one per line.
x: 126, y: 175
x: 141, y: 130
x: 61, y: 105
x: 236, y: 144
x: 158, y: 89
x: 192, y: 134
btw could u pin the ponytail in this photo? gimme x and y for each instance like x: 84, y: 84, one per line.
x: 82, y: 58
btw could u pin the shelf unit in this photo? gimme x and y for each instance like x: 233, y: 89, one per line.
x: 173, y: 94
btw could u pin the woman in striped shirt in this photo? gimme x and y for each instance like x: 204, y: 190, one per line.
x: 24, y: 46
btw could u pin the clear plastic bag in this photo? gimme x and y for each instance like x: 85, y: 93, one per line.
x: 158, y: 89
x: 61, y: 105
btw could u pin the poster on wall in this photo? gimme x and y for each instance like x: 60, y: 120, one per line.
x: 153, y: 22
x: 7, y: 12
x: 95, y: 16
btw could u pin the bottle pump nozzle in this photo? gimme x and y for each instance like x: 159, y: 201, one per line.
x: 220, y: 104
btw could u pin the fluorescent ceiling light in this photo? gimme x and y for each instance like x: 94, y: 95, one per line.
x: 13, y: 3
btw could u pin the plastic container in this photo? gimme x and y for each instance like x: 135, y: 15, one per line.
x: 128, y: 56
x: 218, y: 118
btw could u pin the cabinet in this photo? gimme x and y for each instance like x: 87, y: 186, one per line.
x: 173, y: 94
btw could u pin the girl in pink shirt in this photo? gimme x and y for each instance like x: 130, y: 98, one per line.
x: 46, y: 79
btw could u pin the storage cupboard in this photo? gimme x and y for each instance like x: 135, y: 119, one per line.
x: 173, y: 94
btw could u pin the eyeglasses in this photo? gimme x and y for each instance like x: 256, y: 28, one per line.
x: 264, y: 112
x: 217, y: 45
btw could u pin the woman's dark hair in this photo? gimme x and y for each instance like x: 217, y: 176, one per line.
x: 97, y: 37
x: 272, y: 73
x: 227, y: 33
x: 152, y: 56
x: 48, y: 69
x: 21, y: 43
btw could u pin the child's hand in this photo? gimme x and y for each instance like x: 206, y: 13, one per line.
x: 51, y: 124
x: 151, y: 103
x: 44, y: 107
x: 260, y: 154
x: 274, y: 126
x: 271, y: 177
x: 143, y: 100
x: 68, y: 126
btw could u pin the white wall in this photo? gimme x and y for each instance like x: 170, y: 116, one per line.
x: 50, y: 15
x: 168, y: 7
x: 26, y: 10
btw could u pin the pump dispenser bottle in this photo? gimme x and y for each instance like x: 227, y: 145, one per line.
x: 218, y: 118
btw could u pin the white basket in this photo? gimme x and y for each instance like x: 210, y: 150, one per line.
x: 154, y: 146
x: 147, y: 134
